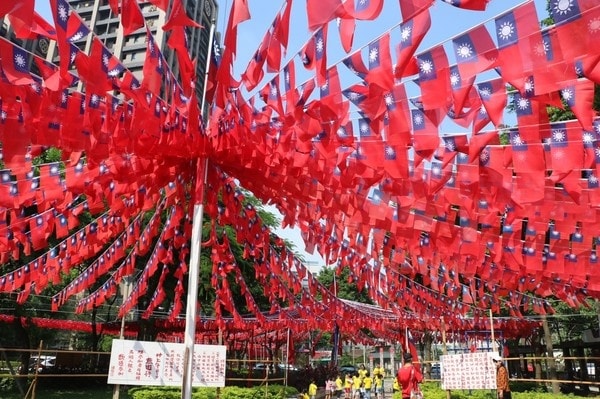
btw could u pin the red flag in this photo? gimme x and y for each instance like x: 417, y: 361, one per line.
x: 22, y: 10
x: 281, y: 27
x: 320, y: 12
x: 493, y: 96
x: 239, y: 13
x: 346, y: 28
x: 365, y: 9
x: 132, y: 17
x: 34, y: 29
x: 475, y: 51
x: 576, y: 22
x: 477, y: 5
x: 566, y: 149
x: 434, y: 78
x: 314, y: 54
x: 579, y: 96
x: 178, y: 16
x: 15, y: 62
x: 412, y: 32
x: 380, y: 63
x: 60, y: 11
x: 410, y: 8
x: 514, y: 32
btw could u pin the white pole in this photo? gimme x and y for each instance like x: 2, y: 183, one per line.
x: 492, y: 331
x: 287, y: 357
x: 191, y: 316
x: 126, y: 291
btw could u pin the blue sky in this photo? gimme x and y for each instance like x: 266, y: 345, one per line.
x: 447, y: 22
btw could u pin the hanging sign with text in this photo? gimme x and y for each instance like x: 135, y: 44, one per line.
x: 161, y: 363
x: 468, y: 371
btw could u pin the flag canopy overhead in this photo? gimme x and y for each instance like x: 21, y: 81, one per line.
x: 389, y: 162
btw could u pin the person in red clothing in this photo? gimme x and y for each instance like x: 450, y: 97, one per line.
x: 409, y: 376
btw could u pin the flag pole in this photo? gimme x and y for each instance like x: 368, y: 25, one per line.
x: 191, y: 315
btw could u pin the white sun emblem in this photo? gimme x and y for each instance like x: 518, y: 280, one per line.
x: 450, y: 146
x: 563, y: 7
x: 95, y: 99
x: 484, y: 156
x: 485, y: 92
x: 418, y: 120
x: 597, y: 152
x: 20, y: 60
x: 341, y: 132
x: 541, y: 48
x: 482, y: 111
x: 273, y: 92
x: 389, y: 152
x: 506, y: 30
x: 436, y: 170
x: 454, y: 79
x: 405, y: 34
x: 113, y: 73
x: 594, y: 25
x: 567, y: 94
x: 517, y: 140
x: 325, y: 86
x: 389, y: 99
x: 364, y: 129
x: 373, y: 55
x: 287, y: 78
x: 78, y: 35
x: 523, y: 103
x: 593, y: 179
x: 464, y: 50
x: 426, y: 67
x: 63, y: 13
x: 588, y: 138
x: 559, y: 135
x: 353, y: 96
x: 320, y: 45
x: 105, y: 60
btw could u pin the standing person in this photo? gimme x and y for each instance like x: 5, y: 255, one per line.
x: 501, y: 378
x: 347, y: 386
x: 329, y: 388
x: 312, y: 390
x: 409, y: 376
x: 367, y: 385
x: 362, y: 371
x: 339, y: 387
x: 378, y: 377
x: 356, y: 384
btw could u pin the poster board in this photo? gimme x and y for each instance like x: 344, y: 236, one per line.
x: 468, y: 371
x: 161, y: 364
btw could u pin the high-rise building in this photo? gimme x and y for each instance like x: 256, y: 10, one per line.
x: 131, y: 49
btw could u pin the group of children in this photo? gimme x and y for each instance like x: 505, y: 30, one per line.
x: 361, y: 385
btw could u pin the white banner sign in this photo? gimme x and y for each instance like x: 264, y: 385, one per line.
x: 161, y: 363
x: 468, y: 371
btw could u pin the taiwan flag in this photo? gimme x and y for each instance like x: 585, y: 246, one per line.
x: 566, y: 149
x: 412, y: 32
x: 15, y: 63
x: 380, y: 63
x: 494, y: 98
x: 475, y: 51
x: 579, y: 96
x: 477, y: 5
x: 434, y: 78
x: 576, y: 25
x: 364, y: 9
x: 410, y: 8
x: 514, y: 32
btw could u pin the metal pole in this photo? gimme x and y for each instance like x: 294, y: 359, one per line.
x: 126, y: 293
x: 492, y: 331
x: 287, y: 358
x: 191, y: 316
